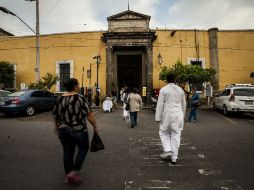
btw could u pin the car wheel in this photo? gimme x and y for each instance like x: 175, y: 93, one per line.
x: 225, y: 111
x: 30, y: 110
x: 214, y: 106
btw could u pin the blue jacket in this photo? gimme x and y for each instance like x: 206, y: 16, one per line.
x: 194, y: 98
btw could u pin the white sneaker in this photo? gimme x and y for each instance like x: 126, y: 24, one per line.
x: 173, y: 160
x: 165, y: 155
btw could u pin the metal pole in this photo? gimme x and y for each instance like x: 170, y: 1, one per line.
x: 97, y: 100
x: 90, y: 75
x: 82, y: 89
x: 97, y: 70
x: 37, y: 70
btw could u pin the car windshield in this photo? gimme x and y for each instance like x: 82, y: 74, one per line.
x: 244, y: 92
x: 21, y: 93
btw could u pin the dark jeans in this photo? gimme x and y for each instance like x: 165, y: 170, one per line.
x: 133, y: 116
x: 193, y: 113
x: 71, y: 138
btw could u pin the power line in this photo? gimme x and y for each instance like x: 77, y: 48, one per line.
x: 51, y: 10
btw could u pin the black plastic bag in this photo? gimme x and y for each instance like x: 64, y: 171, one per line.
x: 127, y: 107
x: 197, y: 104
x: 96, y: 143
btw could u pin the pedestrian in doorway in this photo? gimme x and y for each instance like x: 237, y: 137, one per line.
x: 126, y: 114
x: 170, y: 111
x: 194, y: 105
x: 71, y: 112
x: 114, y: 96
x: 122, y: 94
x: 135, y: 102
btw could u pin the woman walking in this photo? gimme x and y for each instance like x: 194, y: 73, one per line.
x: 126, y: 113
x: 71, y: 112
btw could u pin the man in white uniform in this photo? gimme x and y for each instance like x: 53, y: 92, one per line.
x: 170, y: 112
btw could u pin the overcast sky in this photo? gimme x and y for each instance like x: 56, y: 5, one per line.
x: 58, y: 16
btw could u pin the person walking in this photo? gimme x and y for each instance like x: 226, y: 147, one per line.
x: 125, y: 95
x: 71, y: 111
x: 135, y: 102
x: 170, y: 111
x: 194, y: 106
x: 114, y: 96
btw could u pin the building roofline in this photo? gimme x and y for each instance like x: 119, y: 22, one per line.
x: 128, y: 12
x: 206, y: 30
x: 64, y: 33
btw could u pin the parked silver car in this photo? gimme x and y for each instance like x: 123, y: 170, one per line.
x: 235, y: 98
x: 28, y: 102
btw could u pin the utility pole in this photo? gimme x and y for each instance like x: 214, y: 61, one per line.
x: 37, y: 68
x: 97, y: 95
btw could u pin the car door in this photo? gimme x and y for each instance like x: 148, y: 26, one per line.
x: 37, y: 99
x: 218, y: 100
x: 49, y: 99
x: 225, y: 97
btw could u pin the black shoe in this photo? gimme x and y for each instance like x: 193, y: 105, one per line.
x: 173, y: 162
x: 187, y: 120
x: 132, y: 126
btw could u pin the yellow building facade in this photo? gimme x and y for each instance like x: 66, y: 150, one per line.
x: 130, y: 40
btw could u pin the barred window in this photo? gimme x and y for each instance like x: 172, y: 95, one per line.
x: 64, y: 74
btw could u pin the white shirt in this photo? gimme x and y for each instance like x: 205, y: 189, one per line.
x: 171, y: 100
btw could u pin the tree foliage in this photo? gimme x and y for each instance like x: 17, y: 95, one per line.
x: 50, y: 80
x: 7, y: 72
x: 45, y: 83
x: 193, y: 74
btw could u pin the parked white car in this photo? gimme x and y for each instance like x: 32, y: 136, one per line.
x: 235, y: 98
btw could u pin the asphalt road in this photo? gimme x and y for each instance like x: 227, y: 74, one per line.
x: 216, y: 153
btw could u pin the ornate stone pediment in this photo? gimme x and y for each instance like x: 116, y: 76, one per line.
x: 128, y: 21
x: 129, y: 15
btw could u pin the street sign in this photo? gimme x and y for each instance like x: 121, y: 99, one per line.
x: 209, y: 90
x: 144, y: 91
x: 22, y: 86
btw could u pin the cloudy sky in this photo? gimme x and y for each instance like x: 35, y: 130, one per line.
x: 58, y: 16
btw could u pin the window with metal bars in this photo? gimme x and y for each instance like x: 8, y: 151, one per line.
x: 64, y: 74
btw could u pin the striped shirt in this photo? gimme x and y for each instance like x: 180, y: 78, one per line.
x: 71, y: 111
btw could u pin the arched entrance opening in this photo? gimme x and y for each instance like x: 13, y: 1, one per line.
x: 129, y: 70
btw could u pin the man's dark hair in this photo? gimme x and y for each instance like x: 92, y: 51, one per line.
x: 71, y: 84
x: 134, y: 90
x: 171, y: 78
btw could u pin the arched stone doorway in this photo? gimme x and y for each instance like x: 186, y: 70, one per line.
x: 129, y: 51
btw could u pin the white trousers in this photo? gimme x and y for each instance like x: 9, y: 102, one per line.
x: 125, y: 113
x: 170, y: 140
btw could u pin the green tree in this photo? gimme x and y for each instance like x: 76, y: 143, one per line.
x: 192, y: 74
x: 252, y: 75
x: 7, y: 73
x: 46, y: 84
x: 50, y: 80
